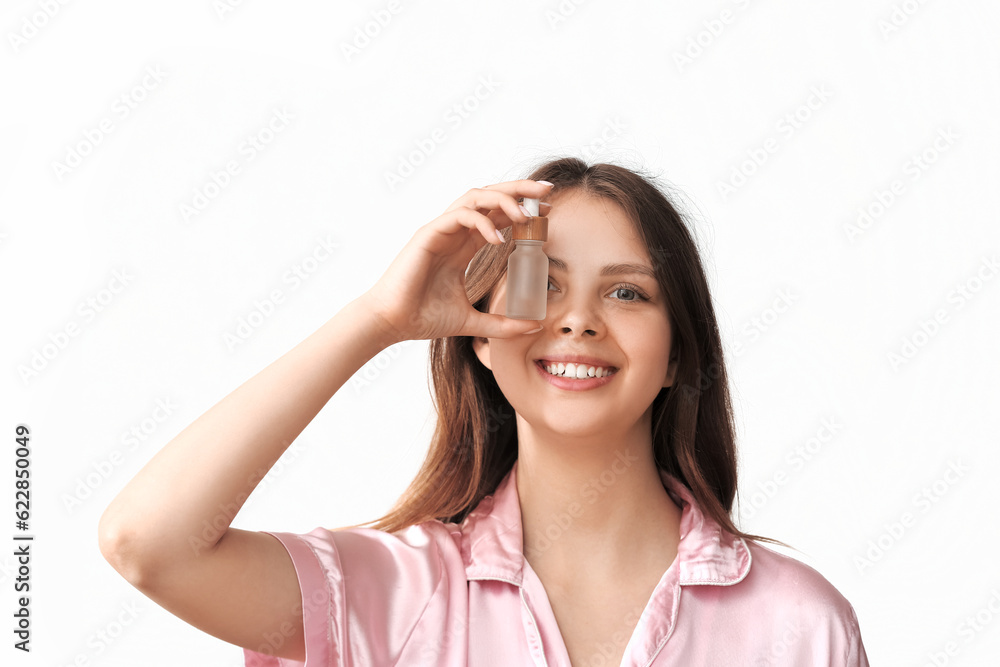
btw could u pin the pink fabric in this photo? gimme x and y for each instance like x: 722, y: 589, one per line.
x: 463, y: 594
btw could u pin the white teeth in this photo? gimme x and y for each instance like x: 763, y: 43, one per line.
x: 578, y: 371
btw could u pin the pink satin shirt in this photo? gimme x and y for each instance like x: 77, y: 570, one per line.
x: 445, y: 594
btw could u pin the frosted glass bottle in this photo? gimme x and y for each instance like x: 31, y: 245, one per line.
x: 528, y: 267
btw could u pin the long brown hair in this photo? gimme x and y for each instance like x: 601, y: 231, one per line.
x: 693, y: 433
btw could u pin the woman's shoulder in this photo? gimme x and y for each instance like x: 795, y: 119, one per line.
x: 364, y: 565
x: 365, y: 590
x: 428, y: 537
x: 781, y: 609
x: 789, y: 580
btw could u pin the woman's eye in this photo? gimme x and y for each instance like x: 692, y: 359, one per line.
x: 636, y: 294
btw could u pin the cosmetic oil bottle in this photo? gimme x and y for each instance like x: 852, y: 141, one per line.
x: 528, y: 267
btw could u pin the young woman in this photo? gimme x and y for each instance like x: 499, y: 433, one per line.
x: 556, y: 520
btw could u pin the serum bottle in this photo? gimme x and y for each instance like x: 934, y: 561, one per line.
x: 528, y: 267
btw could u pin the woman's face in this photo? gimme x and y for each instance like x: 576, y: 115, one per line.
x: 590, y: 314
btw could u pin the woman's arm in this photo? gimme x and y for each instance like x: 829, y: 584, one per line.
x: 167, y: 532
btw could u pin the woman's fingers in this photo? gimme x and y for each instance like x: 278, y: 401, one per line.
x: 492, y: 325
x: 501, y: 210
x: 501, y: 197
x: 500, y: 218
x: 454, y: 220
x: 483, y: 200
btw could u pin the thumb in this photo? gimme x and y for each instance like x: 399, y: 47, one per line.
x: 491, y: 325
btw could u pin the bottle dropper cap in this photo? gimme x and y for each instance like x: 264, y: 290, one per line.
x: 536, y: 228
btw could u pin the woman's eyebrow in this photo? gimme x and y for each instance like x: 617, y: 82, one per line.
x: 615, y: 269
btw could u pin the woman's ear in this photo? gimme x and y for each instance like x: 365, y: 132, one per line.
x: 671, y: 370
x: 481, y: 346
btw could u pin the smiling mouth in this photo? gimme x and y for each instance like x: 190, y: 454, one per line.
x: 575, y: 371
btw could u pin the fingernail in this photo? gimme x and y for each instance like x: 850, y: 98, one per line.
x: 543, y: 182
x: 500, y: 236
x: 524, y: 210
x: 532, y: 331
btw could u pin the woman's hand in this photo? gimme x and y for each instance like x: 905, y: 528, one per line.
x: 422, y: 293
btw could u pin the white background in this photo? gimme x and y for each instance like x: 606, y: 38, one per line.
x: 848, y: 96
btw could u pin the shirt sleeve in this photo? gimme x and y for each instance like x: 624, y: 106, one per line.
x: 363, y: 593
x: 856, y: 655
x: 802, y: 618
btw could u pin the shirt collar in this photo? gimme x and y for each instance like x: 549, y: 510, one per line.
x: 492, y: 540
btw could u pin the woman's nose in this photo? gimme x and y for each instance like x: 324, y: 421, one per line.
x: 573, y: 315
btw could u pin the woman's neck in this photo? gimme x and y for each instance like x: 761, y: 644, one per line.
x: 602, y: 511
